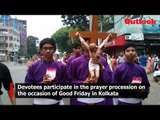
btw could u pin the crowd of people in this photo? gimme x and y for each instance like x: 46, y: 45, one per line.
x: 88, y: 64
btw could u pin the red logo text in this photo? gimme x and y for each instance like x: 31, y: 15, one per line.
x: 139, y: 21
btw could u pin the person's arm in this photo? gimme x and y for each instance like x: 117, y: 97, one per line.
x: 148, y: 67
x: 105, y: 41
x: 8, y: 85
x: 82, y: 41
x: 12, y: 97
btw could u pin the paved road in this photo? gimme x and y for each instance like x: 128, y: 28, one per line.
x: 18, y: 73
x: 154, y: 96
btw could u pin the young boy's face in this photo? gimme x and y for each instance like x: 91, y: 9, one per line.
x: 47, y: 51
x: 77, y: 50
x: 130, y: 53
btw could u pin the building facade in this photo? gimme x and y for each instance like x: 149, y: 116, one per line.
x: 9, y: 42
x: 13, y: 37
x: 143, y: 30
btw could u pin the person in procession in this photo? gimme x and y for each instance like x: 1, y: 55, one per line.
x: 47, y: 71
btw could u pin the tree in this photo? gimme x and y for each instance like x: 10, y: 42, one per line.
x: 76, y: 21
x: 31, y: 43
x: 106, y: 22
x: 62, y: 39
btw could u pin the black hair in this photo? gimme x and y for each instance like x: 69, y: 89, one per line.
x: 127, y: 45
x: 142, y: 53
x: 75, y: 45
x: 48, y: 40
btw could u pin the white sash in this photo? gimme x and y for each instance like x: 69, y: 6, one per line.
x: 44, y: 101
x: 90, y: 100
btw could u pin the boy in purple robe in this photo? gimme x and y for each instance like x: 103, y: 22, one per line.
x: 79, y: 73
x: 129, y: 73
x: 76, y: 53
x: 47, y: 71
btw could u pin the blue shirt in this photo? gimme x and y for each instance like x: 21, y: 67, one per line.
x: 143, y: 60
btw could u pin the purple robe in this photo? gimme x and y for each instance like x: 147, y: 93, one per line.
x: 126, y: 72
x: 37, y: 71
x: 70, y: 59
x: 78, y: 71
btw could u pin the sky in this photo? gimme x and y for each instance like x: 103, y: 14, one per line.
x: 41, y: 26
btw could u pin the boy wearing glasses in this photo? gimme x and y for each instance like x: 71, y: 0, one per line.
x: 46, y: 71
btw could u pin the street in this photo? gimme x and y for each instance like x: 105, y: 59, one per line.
x: 18, y: 73
x: 154, y: 96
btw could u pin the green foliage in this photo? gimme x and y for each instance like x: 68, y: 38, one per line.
x: 62, y: 38
x: 24, y: 54
x: 71, y: 43
x: 31, y: 43
x: 76, y: 21
x: 106, y: 22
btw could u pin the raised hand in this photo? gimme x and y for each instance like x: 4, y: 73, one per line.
x: 110, y: 35
x: 77, y: 34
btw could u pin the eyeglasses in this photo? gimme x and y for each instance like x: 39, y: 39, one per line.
x: 47, y: 48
